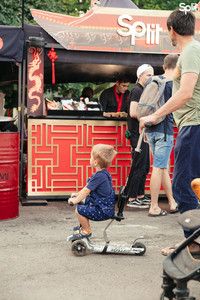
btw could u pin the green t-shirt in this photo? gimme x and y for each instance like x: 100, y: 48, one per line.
x: 188, y: 62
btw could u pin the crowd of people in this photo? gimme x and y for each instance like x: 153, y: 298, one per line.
x: 182, y: 98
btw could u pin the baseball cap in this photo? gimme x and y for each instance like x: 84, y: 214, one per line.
x: 142, y: 69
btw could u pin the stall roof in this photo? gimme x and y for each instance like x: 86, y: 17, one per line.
x: 109, y: 29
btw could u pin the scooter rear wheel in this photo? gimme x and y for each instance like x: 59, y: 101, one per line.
x: 79, y: 248
x: 141, y: 246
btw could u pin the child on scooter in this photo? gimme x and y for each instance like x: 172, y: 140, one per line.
x: 96, y: 201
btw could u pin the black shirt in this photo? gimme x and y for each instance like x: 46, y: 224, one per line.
x: 108, y: 100
x: 133, y: 123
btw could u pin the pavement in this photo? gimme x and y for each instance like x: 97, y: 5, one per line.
x: 36, y: 262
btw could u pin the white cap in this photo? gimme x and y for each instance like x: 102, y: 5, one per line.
x: 142, y: 69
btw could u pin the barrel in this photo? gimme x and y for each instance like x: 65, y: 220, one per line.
x: 9, y: 175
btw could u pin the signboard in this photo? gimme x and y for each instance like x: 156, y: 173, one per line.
x: 111, y: 29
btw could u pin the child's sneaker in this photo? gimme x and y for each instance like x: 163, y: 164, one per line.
x: 137, y: 203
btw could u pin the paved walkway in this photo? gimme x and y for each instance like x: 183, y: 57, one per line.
x: 36, y: 262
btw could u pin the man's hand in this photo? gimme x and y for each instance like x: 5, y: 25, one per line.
x: 148, y: 120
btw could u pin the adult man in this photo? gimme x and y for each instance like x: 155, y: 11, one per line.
x: 140, y: 162
x: 114, y: 99
x: 160, y: 138
x: 185, y: 103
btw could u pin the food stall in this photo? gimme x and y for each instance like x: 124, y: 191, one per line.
x: 95, y: 47
x: 11, y: 54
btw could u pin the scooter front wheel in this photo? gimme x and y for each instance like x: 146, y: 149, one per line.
x: 79, y: 248
x: 139, y: 246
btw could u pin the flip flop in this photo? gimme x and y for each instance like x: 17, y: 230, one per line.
x: 161, y: 214
x: 174, y: 211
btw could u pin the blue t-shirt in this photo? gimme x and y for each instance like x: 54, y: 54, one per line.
x: 100, y: 183
x: 166, y: 126
x: 102, y: 194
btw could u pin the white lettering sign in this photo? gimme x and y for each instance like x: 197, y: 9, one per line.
x: 189, y: 7
x: 139, y: 29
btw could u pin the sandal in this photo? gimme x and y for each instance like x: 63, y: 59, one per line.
x: 161, y: 214
x: 174, y: 211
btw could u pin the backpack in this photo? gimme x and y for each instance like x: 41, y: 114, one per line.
x: 152, y: 97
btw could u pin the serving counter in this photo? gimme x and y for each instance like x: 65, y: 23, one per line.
x: 59, y: 154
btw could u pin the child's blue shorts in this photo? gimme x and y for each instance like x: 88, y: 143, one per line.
x: 95, y: 213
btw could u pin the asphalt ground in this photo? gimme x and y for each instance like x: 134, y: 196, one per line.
x: 36, y: 262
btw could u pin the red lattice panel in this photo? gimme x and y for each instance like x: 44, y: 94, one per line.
x: 59, y: 154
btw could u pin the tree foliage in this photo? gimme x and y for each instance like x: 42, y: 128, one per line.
x: 160, y: 4
x: 10, y: 10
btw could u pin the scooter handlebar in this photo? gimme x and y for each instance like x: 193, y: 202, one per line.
x: 70, y: 203
x: 138, y: 147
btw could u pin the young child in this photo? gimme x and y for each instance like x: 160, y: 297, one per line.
x: 98, y: 194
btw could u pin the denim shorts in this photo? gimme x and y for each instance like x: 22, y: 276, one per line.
x: 160, y: 148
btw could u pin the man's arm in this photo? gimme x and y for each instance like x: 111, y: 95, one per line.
x: 103, y: 100
x: 133, y: 109
x: 184, y: 94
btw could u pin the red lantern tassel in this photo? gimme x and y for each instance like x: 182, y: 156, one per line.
x: 53, y: 73
x: 53, y: 57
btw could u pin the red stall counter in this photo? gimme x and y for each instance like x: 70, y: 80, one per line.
x: 59, y: 154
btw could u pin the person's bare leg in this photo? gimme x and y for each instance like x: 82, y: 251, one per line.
x: 155, y: 184
x: 85, y: 224
x: 166, y: 183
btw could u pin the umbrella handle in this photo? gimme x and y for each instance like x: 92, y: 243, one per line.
x: 138, y: 147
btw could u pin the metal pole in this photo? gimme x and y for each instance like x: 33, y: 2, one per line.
x: 22, y: 128
x: 22, y: 14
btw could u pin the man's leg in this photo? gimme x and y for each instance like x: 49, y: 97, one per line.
x: 167, y: 185
x: 186, y: 168
x: 155, y: 184
x: 138, y: 171
x: 85, y: 224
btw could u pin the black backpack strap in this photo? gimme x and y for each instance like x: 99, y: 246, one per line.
x: 165, y: 129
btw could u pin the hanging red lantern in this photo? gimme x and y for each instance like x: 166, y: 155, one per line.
x: 53, y: 57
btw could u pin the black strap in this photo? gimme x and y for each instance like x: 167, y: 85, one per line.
x: 165, y: 129
x: 105, y: 249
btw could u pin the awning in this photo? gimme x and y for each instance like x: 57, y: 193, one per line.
x: 86, y: 66
x: 11, y: 43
